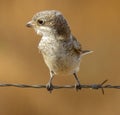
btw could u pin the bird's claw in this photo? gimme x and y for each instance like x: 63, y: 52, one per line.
x: 78, y: 87
x: 49, y: 87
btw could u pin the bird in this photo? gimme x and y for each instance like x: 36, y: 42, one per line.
x: 61, y: 50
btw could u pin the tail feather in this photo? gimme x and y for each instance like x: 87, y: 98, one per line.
x: 85, y: 52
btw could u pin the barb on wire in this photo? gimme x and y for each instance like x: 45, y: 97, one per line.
x: 93, y: 86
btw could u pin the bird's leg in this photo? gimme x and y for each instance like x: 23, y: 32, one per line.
x: 49, y: 85
x: 77, y: 85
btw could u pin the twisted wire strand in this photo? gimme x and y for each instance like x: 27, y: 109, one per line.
x: 92, y: 86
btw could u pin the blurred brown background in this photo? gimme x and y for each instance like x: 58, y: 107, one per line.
x: 96, y: 23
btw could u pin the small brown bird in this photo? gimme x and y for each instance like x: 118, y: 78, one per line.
x: 60, y: 49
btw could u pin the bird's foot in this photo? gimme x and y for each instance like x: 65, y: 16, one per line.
x: 78, y: 87
x: 49, y: 87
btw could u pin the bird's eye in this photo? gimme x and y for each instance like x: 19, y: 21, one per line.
x: 40, y: 22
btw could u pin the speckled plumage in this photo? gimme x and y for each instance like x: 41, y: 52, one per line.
x: 60, y: 49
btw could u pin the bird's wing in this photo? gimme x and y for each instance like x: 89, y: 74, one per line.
x: 78, y: 48
x: 76, y: 45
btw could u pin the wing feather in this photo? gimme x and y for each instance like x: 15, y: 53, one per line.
x: 78, y: 48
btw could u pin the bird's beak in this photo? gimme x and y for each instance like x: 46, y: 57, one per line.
x: 30, y: 24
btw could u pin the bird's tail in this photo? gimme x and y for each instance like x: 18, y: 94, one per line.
x: 85, y: 52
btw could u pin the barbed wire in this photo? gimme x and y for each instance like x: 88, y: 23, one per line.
x: 92, y: 86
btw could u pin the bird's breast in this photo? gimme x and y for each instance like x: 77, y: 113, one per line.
x: 58, y: 56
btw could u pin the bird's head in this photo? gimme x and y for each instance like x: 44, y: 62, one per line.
x: 49, y: 22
